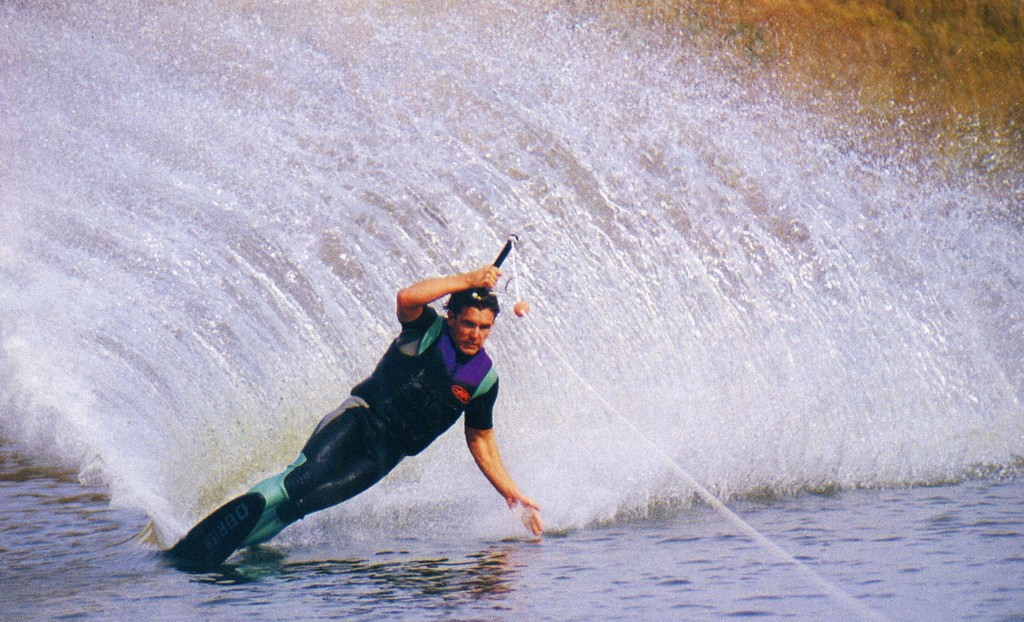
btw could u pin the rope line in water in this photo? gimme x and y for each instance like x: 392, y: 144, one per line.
x: 743, y: 526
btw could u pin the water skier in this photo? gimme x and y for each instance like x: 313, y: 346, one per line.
x: 433, y: 372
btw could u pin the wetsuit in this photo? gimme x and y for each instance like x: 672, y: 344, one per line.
x: 420, y: 387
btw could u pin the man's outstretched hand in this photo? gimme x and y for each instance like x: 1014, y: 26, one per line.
x: 529, y: 513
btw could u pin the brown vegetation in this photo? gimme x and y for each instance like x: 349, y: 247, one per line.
x: 948, y: 74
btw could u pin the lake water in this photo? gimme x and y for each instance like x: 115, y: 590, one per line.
x: 206, y: 211
x: 953, y: 552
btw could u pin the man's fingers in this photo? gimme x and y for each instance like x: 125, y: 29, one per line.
x: 488, y: 276
x: 529, y: 514
x: 531, y: 519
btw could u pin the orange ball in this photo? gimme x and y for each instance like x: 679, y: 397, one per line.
x: 522, y: 308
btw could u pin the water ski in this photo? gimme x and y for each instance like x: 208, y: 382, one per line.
x: 217, y: 536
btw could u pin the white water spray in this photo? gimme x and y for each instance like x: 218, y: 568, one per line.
x: 207, y: 211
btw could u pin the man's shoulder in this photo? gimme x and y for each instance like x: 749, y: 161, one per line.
x: 422, y: 323
x: 489, y: 382
x: 419, y: 334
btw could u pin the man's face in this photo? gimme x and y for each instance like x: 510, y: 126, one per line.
x: 470, y: 329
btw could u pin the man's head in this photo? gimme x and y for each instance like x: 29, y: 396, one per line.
x: 471, y: 315
x: 478, y: 298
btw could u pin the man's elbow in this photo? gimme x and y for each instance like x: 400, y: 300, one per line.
x: 406, y: 306
x: 402, y: 300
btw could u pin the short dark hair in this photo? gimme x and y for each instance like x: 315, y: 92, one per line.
x: 478, y: 298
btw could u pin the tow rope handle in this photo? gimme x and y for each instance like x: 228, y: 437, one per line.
x: 521, y: 307
x: 512, y: 239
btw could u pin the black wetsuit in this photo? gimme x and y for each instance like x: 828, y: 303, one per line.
x: 420, y: 387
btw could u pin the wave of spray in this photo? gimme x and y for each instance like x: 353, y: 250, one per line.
x: 207, y: 211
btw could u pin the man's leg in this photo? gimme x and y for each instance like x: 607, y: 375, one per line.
x: 344, y: 458
x: 340, y: 460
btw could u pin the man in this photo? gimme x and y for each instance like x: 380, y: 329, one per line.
x: 433, y: 372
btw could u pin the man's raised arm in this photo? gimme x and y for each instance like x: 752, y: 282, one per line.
x: 412, y: 299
